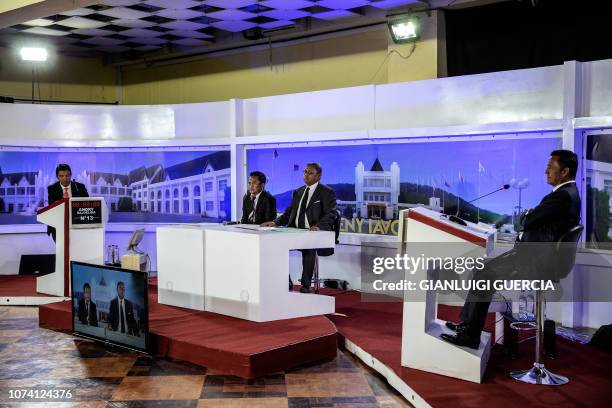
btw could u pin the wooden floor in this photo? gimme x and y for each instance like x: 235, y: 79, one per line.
x: 34, y: 360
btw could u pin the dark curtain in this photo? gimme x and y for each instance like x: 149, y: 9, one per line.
x: 516, y: 34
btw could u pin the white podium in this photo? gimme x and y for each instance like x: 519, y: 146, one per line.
x: 236, y: 271
x: 74, y: 241
x: 422, y: 347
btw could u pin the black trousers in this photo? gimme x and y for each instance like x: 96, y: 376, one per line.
x: 308, y: 264
x: 474, y: 311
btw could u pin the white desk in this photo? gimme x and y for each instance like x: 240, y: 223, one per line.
x: 236, y: 272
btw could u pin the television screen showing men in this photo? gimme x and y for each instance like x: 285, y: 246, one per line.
x: 110, y: 304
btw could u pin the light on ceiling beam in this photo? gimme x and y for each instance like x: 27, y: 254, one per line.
x: 405, y: 29
x: 33, y: 54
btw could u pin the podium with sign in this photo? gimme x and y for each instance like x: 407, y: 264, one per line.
x: 79, y: 224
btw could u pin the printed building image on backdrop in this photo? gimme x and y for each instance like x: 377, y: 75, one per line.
x: 152, y: 186
x: 598, y: 169
x: 374, y: 182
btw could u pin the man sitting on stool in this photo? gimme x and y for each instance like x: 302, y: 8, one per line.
x: 312, y: 207
x: 258, y: 206
x: 557, y: 212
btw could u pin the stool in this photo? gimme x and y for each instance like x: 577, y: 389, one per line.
x: 537, y: 374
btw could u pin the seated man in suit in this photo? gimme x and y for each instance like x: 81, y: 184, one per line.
x: 87, y: 311
x: 121, y: 313
x: 64, y: 188
x: 258, y: 206
x: 557, y: 213
x: 312, y: 207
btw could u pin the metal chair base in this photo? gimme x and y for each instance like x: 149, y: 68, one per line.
x: 539, y: 375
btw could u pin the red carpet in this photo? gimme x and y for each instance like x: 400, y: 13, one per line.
x: 229, y: 345
x: 18, y: 286
x: 377, y: 328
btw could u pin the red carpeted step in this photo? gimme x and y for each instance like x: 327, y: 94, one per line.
x: 226, y: 344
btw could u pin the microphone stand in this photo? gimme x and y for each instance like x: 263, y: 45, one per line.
x: 459, y: 220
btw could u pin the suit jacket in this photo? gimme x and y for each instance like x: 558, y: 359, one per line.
x: 537, y: 253
x: 557, y: 212
x: 55, y: 192
x: 93, y: 313
x: 320, y: 211
x: 115, y: 322
x: 265, y: 210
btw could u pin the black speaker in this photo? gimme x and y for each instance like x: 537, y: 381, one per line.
x: 550, y: 339
x: 335, y: 284
x: 37, y: 264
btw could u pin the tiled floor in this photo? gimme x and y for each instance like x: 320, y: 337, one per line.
x: 32, y: 358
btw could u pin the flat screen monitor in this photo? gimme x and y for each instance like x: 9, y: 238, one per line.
x: 110, y: 304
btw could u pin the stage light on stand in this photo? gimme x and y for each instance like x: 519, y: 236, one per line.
x: 33, y: 54
x: 405, y: 29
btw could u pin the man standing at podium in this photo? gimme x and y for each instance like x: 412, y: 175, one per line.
x: 258, y: 206
x: 64, y: 188
x: 558, y: 212
x: 312, y: 207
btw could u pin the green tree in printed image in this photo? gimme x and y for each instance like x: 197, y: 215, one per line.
x: 124, y: 204
x: 598, y: 216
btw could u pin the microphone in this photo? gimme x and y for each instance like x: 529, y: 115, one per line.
x: 504, y: 187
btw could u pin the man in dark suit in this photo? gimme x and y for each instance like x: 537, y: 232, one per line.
x: 64, y: 188
x: 121, y: 313
x: 558, y: 212
x: 87, y: 311
x: 258, y: 206
x: 312, y: 207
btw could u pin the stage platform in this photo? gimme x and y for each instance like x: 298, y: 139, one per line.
x: 20, y: 290
x: 226, y: 344
x: 373, y: 332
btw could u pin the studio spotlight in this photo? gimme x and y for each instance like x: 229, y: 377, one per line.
x: 405, y: 29
x: 33, y: 54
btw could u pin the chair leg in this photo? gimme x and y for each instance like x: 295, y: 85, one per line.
x: 538, y: 374
x: 315, y: 275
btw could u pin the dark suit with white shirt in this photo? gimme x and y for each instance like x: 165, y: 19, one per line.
x: 544, y: 225
x: 55, y: 192
x: 310, y: 206
x: 115, y: 319
x: 87, y: 313
x: 265, y: 208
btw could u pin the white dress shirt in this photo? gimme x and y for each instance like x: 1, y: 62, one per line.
x: 69, y: 190
x: 558, y: 186
x: 252, y: 213
x: 310, y: 193
x: 122, y: 307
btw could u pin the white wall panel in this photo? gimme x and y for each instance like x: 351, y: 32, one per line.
x: 510, y: 96
x: 598, y: 88
x: 79, y: 125
x: 335, y: 110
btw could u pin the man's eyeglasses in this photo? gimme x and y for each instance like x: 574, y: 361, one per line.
x: 309, y: 172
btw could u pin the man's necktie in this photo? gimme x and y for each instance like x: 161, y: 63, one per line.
x: 121, y: 317
x: 87, y: 311
x: 66, y: 192
x: 252, y: 214
x: 302, y: 214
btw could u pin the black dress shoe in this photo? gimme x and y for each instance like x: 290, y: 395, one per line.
x: 304, y: 290
x: 457, y: 327
x: 461, y: 339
